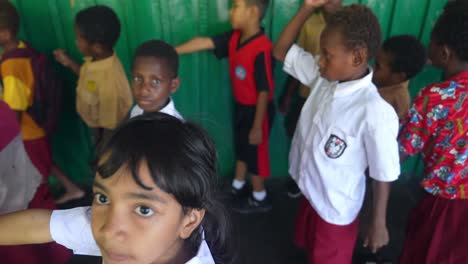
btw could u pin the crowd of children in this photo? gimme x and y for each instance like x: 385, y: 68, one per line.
x: 156, y: 196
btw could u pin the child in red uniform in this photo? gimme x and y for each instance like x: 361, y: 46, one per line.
x: 437, y: 127
x: 250, y: 66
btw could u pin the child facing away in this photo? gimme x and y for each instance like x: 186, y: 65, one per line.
x: 18, y: 77
x: 344, y: 128
x: 399, y: 59
x: 437, y: 127
x: 103, y: 96
x: 147, y: 207
x: 250, y: 66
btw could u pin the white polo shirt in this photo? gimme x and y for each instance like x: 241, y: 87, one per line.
x: 168, y: 109
x: 72, y: 229
x: 343, y: 129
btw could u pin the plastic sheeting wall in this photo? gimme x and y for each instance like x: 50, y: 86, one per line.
x: 204, y: 95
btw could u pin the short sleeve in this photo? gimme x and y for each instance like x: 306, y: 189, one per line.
x: 416, y: 130
x: 301, y: 65
x: 261, y: 74
x: 381, y: 144
x: 17, y: 79
x: 72, y: 229
x: 221, y: 43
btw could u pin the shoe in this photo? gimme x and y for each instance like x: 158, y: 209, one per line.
x: 250, y: 205
x: 293, y: 191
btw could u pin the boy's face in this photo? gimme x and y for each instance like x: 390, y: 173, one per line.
x: 5, y: 36
x: 437, y: 54
x: 84, y: 47
x: 152, y: 83
x: 383, y: 74
x: 138, y: 226
x: 337, y: 62
x: 240, y: 13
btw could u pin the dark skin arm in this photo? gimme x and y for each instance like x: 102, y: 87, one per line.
x: 377, y: 234
x: 255, y: 135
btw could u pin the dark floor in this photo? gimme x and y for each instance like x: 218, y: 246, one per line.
x: 267, y: 238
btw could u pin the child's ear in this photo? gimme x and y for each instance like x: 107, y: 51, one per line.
x: 446, y: 54
x: 191, y: 221
x: 175, y: 83
x: 359, y: 57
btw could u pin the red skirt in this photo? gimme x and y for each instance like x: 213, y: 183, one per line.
x: 437, y: 232
x: 40, y: 154
x: 325, y: 243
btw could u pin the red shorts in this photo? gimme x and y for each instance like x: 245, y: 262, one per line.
x: 437, y: 232
x: 40, y: 154
x: 325, y: 243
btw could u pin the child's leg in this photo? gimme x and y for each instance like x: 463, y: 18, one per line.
x: 72, y: 191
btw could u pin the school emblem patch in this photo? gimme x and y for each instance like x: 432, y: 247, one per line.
x: 241, y: 73
x: 335, y: 147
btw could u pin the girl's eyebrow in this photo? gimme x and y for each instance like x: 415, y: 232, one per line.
x: 98, y: 185
x: 146, y: 196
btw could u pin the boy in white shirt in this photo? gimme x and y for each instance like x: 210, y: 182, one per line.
x: 344, y: 128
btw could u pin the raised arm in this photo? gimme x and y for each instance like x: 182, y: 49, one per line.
x: 25, y: 227
x: 195, y: 44
x: 289, y: 34
x: 63, y: 58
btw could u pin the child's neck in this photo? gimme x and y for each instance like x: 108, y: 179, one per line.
x: 359, y: 74
x: 455, y: 68
x: 11, y: 45
x: 103, y: 55
x: 249, y: 32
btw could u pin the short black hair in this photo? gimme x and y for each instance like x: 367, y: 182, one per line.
x: 182, y: 161
x: 9, y: 17
x: 407, y: 54
x: 451, y: 28
x: 262, y: 6
x: 99, y: 25
x: 359, y: 26
x: 160, y: 50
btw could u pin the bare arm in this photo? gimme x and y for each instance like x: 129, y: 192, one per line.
x: 195, y: 44
x: 255, y: 135
x: 377, y: 235
x: 63, y: 58
x: 25, y: 227
x: 289, y: 34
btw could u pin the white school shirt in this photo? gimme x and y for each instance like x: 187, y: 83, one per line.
x: 72, y: 229
x: 343, y: 129
x: 168, y: 109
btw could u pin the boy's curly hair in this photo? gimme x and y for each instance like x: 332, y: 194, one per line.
x: 360, y: 28
x: 451, y: 28
x: 407, y: 54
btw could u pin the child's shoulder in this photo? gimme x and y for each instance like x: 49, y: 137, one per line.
x: 377, y: 109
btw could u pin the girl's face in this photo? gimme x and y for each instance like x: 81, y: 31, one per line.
x: 134, y: 225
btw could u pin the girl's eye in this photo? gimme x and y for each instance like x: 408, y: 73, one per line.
x: 101, y: 199
x: 137, y: 79
x: 144, y: 211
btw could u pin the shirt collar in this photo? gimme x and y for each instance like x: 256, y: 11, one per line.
x: 458, y: 76
x: 347, y: 88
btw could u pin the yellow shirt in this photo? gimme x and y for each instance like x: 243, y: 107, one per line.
x: 103, y: 96
x: 309, y: 40
x: 18, y: 92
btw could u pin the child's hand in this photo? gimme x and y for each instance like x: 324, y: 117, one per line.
x: 255, y: 136
x: 315, y: 3
x: 62, y: 57
x: 376, y: 237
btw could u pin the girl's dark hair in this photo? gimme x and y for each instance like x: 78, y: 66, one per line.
x: 451, y: 28
x: 182, y: 160
x: 9, y: 17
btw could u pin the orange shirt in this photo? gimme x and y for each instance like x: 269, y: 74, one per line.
x: 18, y: 92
